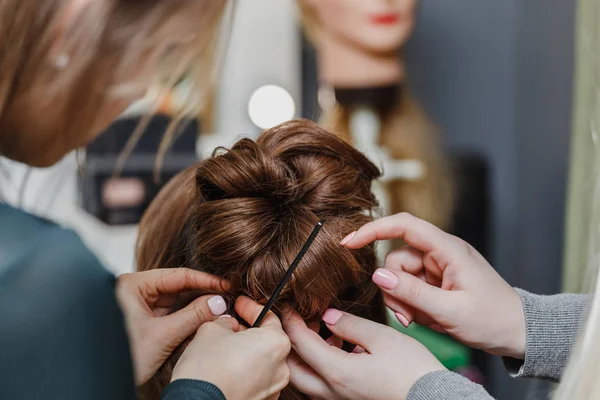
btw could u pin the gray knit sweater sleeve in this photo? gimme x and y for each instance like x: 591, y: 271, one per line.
x: 551, y: 325
x: 448, y: 386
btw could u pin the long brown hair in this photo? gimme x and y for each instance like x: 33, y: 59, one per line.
x: 406, y: 132
x: 116, y: 50
x: 245, y: 213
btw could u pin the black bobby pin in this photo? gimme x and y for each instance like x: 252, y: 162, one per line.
x: 288, y: 274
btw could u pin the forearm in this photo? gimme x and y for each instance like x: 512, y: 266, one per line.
x: 448, y: 386
x: 189, y: 389
x: 552, y: 324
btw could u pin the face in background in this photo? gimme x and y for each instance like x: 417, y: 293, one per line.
x: 378, y: 26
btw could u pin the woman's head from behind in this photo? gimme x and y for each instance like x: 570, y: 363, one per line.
x: 244, y: 214
x: 69, y: 67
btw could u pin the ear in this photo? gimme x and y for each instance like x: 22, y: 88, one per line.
x: 70, y: 13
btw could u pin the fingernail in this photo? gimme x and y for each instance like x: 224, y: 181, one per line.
x: 217, y: 305
x: 385, y: 278
x: 359, y: 350
x: 225, y: 316
x: 402, y: 320
x: 347, y: 238
x: 332, y: 316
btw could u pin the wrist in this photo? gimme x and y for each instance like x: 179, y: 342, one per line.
x: 511, y: 331
x: 518, y: 335
x: 207, y: 375
x: 432, y: 368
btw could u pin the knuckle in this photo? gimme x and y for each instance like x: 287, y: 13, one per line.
x: 389, y: 260
x: 461, y: 244
x: 348, y: 323
x: 413, y: 292
x: 201, y: 314
x: 187, y: 277
x: 125, y: 279
x: 283, y: 343
x: 404, y: 216
x: 286, y: 374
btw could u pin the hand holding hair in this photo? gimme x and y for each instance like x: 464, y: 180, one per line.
x: 385, y: 364
x: 146, y: 298
x: 441, y: 281
x: 243, y: 363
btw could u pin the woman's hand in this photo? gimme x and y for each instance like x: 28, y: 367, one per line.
x: 441, y: 281
x: 146, y: 298
x: 385, y: 366
x: 244, y: 363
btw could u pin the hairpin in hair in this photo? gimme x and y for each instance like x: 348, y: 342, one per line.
x: 288, y: 274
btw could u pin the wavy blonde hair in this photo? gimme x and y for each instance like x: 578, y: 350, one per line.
x: 407, y: 133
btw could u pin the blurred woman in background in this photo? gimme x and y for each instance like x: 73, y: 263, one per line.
x: 67, y: 69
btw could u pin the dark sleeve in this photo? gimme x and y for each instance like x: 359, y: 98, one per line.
x: 190, y: 389
x: 62, y: 333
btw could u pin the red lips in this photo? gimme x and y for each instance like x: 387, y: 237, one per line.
x: 385, y: 19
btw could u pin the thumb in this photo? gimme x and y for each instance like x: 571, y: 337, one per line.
x: 414, y: 292
x: 178, y: 326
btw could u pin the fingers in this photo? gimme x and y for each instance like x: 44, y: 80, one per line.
x: 249, y: 310
x: 175, y: 280
x: 185, y: 322
x: 318, y: 354
x: 406, y: 313
x: 306, y: 380
x: 214, y: 330
x: 356, y: 330
x: 413, y: 231
x: 406, y: 259
x: 335, y: 341
x: 412, y: 291
x: 358, y: 350
x: 227, y: 322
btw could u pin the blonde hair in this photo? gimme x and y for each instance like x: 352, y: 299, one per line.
x: 114, y: 47
x: 406, y: 133
x: 582, y: 254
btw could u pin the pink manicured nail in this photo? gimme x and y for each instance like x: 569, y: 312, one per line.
x: 402, y: 320
x: 384, y: 278
x: 217, y: 305
x: 347, y: 238
x: 359, y: 350
x: 332, y: 316
x: 225, y: 316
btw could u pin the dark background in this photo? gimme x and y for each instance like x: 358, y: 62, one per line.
x: 497, y: 78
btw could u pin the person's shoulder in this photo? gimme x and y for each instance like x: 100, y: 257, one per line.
x: 61, y: 325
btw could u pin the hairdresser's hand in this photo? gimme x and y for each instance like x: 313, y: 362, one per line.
x: 244, y: 363
x: 146, y: 297
x: 441, y: 281
x: 385, y: 366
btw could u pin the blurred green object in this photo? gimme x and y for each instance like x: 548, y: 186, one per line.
x: 451, y: 354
